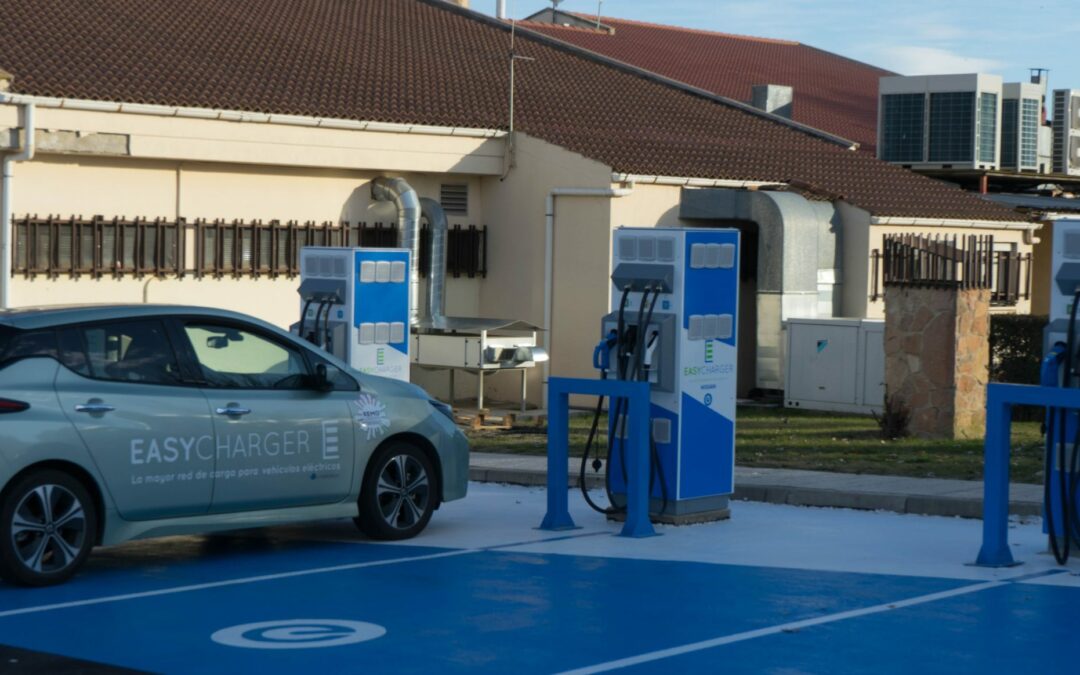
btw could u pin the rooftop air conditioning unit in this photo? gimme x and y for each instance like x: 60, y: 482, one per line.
x: 1067, y: 131
x: 940, y: 121
x: 1021, y: 109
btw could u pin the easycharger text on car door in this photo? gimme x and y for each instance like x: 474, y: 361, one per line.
x: 149, y: 434
x: 279, y: 442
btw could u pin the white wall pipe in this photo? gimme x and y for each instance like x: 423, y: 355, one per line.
x: 25, y: 153
x: 500, y: 9
x: 549, y: 256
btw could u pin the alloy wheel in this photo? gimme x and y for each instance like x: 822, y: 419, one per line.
x: 48, y: 529
x: 403, y: 492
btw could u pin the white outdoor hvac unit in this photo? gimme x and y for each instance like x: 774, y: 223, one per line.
x: 1067, y: 131
x: 836, y: 365
x: 940, y: 121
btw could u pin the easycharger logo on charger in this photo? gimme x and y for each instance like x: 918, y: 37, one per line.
x: 298, y: 634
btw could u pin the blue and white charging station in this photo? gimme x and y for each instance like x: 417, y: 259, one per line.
x: 355, y: 305
x: 1061, y: 368
x: 674, y: 324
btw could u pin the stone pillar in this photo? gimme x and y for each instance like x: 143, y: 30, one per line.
x: 937, y: 352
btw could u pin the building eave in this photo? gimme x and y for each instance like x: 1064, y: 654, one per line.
x: 245, y: 116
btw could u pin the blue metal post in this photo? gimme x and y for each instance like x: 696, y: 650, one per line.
x: 558, y: 512
x: 637, y: 494
x: 999, y: 401
x: 995, y: 547
x: 637, y: 491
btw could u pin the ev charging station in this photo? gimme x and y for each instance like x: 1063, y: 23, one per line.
x: 355, y: 305
x: 1061, y: 368
x: 674, y: 324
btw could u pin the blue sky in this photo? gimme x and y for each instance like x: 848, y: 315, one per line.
x: 908, y: 36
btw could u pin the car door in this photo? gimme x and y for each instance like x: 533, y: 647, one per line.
x: 149, y: 434
x: 279, y: 442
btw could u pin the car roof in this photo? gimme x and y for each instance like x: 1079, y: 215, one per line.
x: 28, y: 318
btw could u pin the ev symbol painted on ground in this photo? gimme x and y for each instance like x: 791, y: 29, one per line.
x: 298, y: 634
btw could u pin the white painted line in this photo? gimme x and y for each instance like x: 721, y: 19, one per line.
x: 231, y: 582
x: 280, y: 575
x: 785, y: 627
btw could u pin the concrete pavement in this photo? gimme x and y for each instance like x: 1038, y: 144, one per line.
x: 927, y: 496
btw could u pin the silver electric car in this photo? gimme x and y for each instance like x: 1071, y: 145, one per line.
x: 124, y: 422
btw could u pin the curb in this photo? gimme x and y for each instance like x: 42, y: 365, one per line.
x: 953, y: 507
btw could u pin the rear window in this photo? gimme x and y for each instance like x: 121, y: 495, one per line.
x: 124, y: 351
x: 16, y: 344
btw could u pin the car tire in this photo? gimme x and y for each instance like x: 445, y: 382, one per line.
x: 399, y: 493
x: 48, y: 525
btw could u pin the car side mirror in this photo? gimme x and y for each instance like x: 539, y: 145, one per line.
x: 320, y: 381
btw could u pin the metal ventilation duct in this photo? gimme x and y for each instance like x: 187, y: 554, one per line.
x: 404, y: 198
x: 436, y: 218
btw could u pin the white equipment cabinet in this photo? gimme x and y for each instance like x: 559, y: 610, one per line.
x: 836, y: 365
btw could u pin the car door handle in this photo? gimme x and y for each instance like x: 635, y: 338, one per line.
x: 232, y: 410
x: 94, y: 407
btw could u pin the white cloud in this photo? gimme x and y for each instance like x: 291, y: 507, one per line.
x: 914, y: 60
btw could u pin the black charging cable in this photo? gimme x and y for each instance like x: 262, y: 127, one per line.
x: 1066, y: 492
x: 629, y: 365
x: 616, y: 345
x: 314, y: 339
x: 326, y: 335
x: 303, y: 317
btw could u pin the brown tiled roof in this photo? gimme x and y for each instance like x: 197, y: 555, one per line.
x: 832, y: 93
x: 427, y: 62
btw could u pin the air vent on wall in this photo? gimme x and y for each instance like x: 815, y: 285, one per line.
x: 454, y: 198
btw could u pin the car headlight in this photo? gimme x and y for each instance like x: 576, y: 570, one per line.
x: 444, y: 408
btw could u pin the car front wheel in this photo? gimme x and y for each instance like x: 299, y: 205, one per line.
x: 399, y: 493
x: 47, y: 526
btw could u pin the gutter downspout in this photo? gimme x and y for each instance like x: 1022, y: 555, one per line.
x: 404, y: 198
x: 436, y: 217
x: 25, y: 153
x: 549, y: 256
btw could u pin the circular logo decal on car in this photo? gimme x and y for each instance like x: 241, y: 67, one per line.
x: 371, y: 415
x: 298, y: 634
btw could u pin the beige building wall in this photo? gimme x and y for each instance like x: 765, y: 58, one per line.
x: 87, y: 186
x: 648, y: 206
x: 582, y: 252
x: 514, y: 289
x: 154, y: 136
x: 180, y: 168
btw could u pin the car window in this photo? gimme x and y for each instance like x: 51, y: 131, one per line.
x: 123, y: 351
x: 236, y: 358
x: 16, y: 344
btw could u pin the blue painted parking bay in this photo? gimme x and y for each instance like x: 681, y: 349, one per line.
x: 509, y: 598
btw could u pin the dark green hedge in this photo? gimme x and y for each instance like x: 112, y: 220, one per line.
x: 1015, y: 354
x: 1016, y: 348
